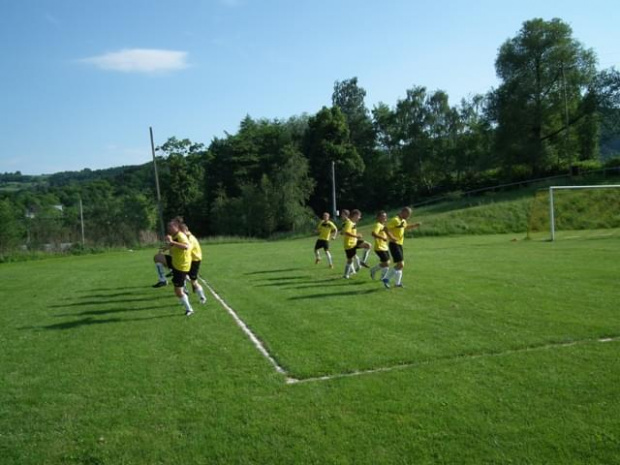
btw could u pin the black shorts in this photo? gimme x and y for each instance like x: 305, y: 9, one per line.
x: 321, y: 244
x: 178, y: 277
x: 384, y: 255
x: 193, y: 271
x: 168, y: 261
x: 396, y: 250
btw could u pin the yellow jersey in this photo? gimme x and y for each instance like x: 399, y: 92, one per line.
x: 397, y: 227
x: 195, y: 247
x: 326, y: 229
x: 380, y: 243
x: 349, y: 227
x: 181, y: 258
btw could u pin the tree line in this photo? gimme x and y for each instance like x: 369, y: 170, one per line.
x: 552, y: 110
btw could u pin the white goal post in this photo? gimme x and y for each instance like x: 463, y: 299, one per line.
x: 551, y: 210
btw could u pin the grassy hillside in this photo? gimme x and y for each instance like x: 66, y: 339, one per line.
x: 522, y: 210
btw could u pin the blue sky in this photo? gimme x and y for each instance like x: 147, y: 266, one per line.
x: 82, y: 80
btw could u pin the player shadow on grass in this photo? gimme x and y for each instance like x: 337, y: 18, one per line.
x: 102, y: 302
x: 332, y: 282
x: 90, y: 321
x: 287, y: 270
x: 336, y: 294
x: 116, y: 288
x: 284, y: 278
x: 108, y: 311
x: 104, y: 296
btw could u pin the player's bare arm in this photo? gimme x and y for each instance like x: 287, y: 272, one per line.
x: 173, y: 243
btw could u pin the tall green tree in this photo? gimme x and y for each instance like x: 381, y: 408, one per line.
x: 349, y: 97
x: 182, y: 179
x: 545, y: 75
x: 327, y: 140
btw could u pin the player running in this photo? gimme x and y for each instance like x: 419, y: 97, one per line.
x: 352, y: 242
x: 196, y: 254
x: 380, y: 246
x: 395, y: 231
x: 180, y: 250
x: 327, y: 231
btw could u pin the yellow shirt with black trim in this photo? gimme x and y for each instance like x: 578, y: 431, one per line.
x: 181, y: 258
x: 195, y: 247
x: 380, y: 243
x: 397, y: 227
x: 326, y: 229
x: 349, y: 227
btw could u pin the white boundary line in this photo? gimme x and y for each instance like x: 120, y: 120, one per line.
x: 248, y: 332
x: 456, y: 357
x: 289, y: 380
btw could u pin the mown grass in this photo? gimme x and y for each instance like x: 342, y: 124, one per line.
x: 524, y: 211
x: 99, y: 368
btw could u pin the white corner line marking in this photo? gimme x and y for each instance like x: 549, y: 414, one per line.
x: 289, y: 380
x: 248, y: 332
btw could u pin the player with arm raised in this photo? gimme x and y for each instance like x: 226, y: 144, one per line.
x: 395, y: 231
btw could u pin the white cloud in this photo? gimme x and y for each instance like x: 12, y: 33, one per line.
x: 138, y: 60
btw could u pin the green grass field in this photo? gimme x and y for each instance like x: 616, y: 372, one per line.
x: 492, y: 353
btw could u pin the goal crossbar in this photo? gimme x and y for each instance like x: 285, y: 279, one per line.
x: 551, y: 209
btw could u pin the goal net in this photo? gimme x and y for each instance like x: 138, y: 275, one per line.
x: 562, y: 212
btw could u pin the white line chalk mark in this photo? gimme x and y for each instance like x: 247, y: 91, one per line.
x: 290, y: 380
x: 248, y: 332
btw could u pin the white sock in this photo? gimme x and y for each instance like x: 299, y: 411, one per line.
x: 391, y: 272
x: 317, y: 254
x: 348, y: 269
x: 329, y: 258
x: 185, y: 301
x: 356, y: 262
x: 366, y: 252
x: 384, y: 271
x: 399, y: 277
x: 161, y: 273
x: 200, y: 292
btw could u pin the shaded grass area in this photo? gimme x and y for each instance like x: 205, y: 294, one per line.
x: 98, y: 368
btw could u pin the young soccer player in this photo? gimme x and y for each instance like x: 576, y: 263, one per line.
x: 180, y: 250
x: 327, y: 231
x: 196, y: 254
x: 352, y: 242
x: 381, y: 246
x: 395, y: 231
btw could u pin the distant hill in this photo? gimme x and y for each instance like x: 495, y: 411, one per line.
x: 133, y: 175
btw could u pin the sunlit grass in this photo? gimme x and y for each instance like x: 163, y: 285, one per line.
x: 99, y: 368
